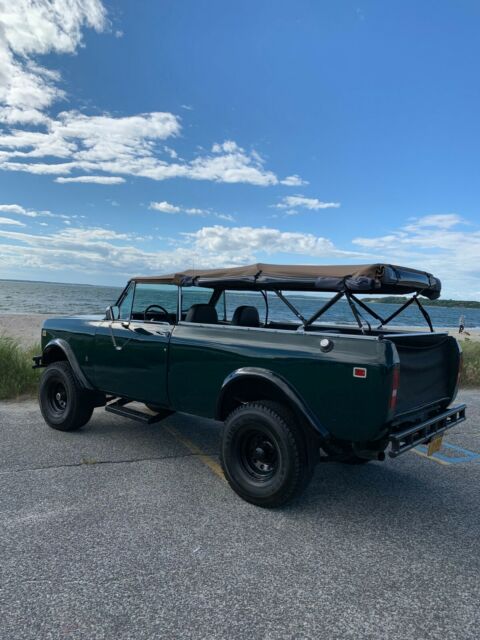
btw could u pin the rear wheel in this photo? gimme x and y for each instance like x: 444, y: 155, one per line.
x: 263, y: 454
x: 64, y: 404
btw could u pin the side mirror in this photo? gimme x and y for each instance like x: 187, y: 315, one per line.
x: 112, y: 313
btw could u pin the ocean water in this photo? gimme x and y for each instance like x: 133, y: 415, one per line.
x: 78, y: 299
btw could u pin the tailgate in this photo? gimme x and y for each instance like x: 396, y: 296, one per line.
x: 429, y: 366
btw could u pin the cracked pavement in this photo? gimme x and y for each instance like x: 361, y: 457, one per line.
x: 118, y: 531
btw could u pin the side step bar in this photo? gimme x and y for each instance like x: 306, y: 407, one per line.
x: 118, y: 407
x: 422, y: 432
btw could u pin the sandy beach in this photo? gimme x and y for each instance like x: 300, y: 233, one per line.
x: 27, y: 327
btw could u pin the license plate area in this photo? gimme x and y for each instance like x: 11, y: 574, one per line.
x: 426, y: 431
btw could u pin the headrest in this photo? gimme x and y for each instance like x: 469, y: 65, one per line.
x: 246, y: 316
x: 202, y: 313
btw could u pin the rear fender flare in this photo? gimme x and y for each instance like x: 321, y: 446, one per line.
x: 285, y: 390
x: 48, y: 356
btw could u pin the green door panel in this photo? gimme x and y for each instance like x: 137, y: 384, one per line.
x: 131, y: 361
x: 202, y: 356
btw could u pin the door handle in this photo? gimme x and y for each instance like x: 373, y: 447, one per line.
x: 125, y: 324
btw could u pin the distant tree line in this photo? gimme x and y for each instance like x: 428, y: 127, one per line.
x: 469, y: 304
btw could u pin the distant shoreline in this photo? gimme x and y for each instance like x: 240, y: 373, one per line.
x: 447, y: 303
x: 65, y: 284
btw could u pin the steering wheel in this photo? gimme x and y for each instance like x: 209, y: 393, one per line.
x: 156, y: 306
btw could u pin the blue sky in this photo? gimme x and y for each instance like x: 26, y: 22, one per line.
x: 140, y: 137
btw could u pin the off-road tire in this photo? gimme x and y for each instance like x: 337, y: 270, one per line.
x: 64, y: 404
x: 287, y: 469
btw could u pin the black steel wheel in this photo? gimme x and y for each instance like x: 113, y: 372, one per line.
x: 64, y: 404
x: 263, y: 454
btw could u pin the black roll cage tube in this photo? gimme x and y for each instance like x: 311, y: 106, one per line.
x: 353, y: 302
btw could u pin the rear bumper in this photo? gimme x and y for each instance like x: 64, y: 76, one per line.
x: 422, y: 432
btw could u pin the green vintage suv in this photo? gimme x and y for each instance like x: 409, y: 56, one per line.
x: 291, y: 393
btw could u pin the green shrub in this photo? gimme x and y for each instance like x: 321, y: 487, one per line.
x: 17, y: 377
x: 470, y: 376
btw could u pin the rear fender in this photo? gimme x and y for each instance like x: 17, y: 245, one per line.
x: 252, y: 383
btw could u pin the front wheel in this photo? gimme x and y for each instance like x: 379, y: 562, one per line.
x: 263, y: 454
x: 64, y: 404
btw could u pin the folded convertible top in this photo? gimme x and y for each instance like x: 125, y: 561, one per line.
x: 368, y: 278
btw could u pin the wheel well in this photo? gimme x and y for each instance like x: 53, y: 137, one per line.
x: 53, y: 354
x: 251, y: 389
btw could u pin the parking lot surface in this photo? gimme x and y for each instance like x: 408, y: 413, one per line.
x: 123, y: 530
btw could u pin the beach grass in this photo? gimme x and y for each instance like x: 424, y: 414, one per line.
x: 17, y: 378
x: 470, y: 376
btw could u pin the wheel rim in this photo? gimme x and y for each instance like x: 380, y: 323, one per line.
x: 57, y: 398
x: 259, y: 455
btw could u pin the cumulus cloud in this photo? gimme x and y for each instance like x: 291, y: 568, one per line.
x: 313, y: 204
x: 437, y: 243
x: 250, y: 241
x: 91, y: 145
x: 92, y: 179
x: 439, y: 221
x: 94, y: 249
x: 17, y: 209
x: 293, y: 181
x: 164, y: 207
x: 32, y: 27
x: 167, y: 207
x: 11, y: 222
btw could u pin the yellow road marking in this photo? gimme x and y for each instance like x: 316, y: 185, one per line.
x: 191, y: 446
x: 424, y: 455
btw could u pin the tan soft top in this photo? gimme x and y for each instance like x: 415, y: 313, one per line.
x: 367, y: 278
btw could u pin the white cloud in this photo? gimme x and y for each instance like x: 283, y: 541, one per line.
x: 92, y: 179
x: 32, y: 27
x: 17, y: 209
x: 194, y: 211
x: 167, y: 207
x: 314, y: 204
x: 435, y: 243
x: 11, y: 222
x: 124, y: 146
x: 94, y: 250
x: 72, y: 142
x: 164, y: 207
x: 247, y: 242
x: 293, y: 181
x: 440, y: 221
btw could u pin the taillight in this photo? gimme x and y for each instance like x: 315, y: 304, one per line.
x: 395, y: 386
x: 459, y: 375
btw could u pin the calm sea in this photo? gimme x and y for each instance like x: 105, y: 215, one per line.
x: 75, y: 299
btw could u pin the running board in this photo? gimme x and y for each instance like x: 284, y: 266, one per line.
x: 118, y: 407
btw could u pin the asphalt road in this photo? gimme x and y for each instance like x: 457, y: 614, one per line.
x: 125, y: 531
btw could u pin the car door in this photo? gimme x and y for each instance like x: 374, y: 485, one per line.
x: 131, y: 351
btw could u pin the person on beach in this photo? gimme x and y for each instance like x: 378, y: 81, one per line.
x: 461, y: 324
